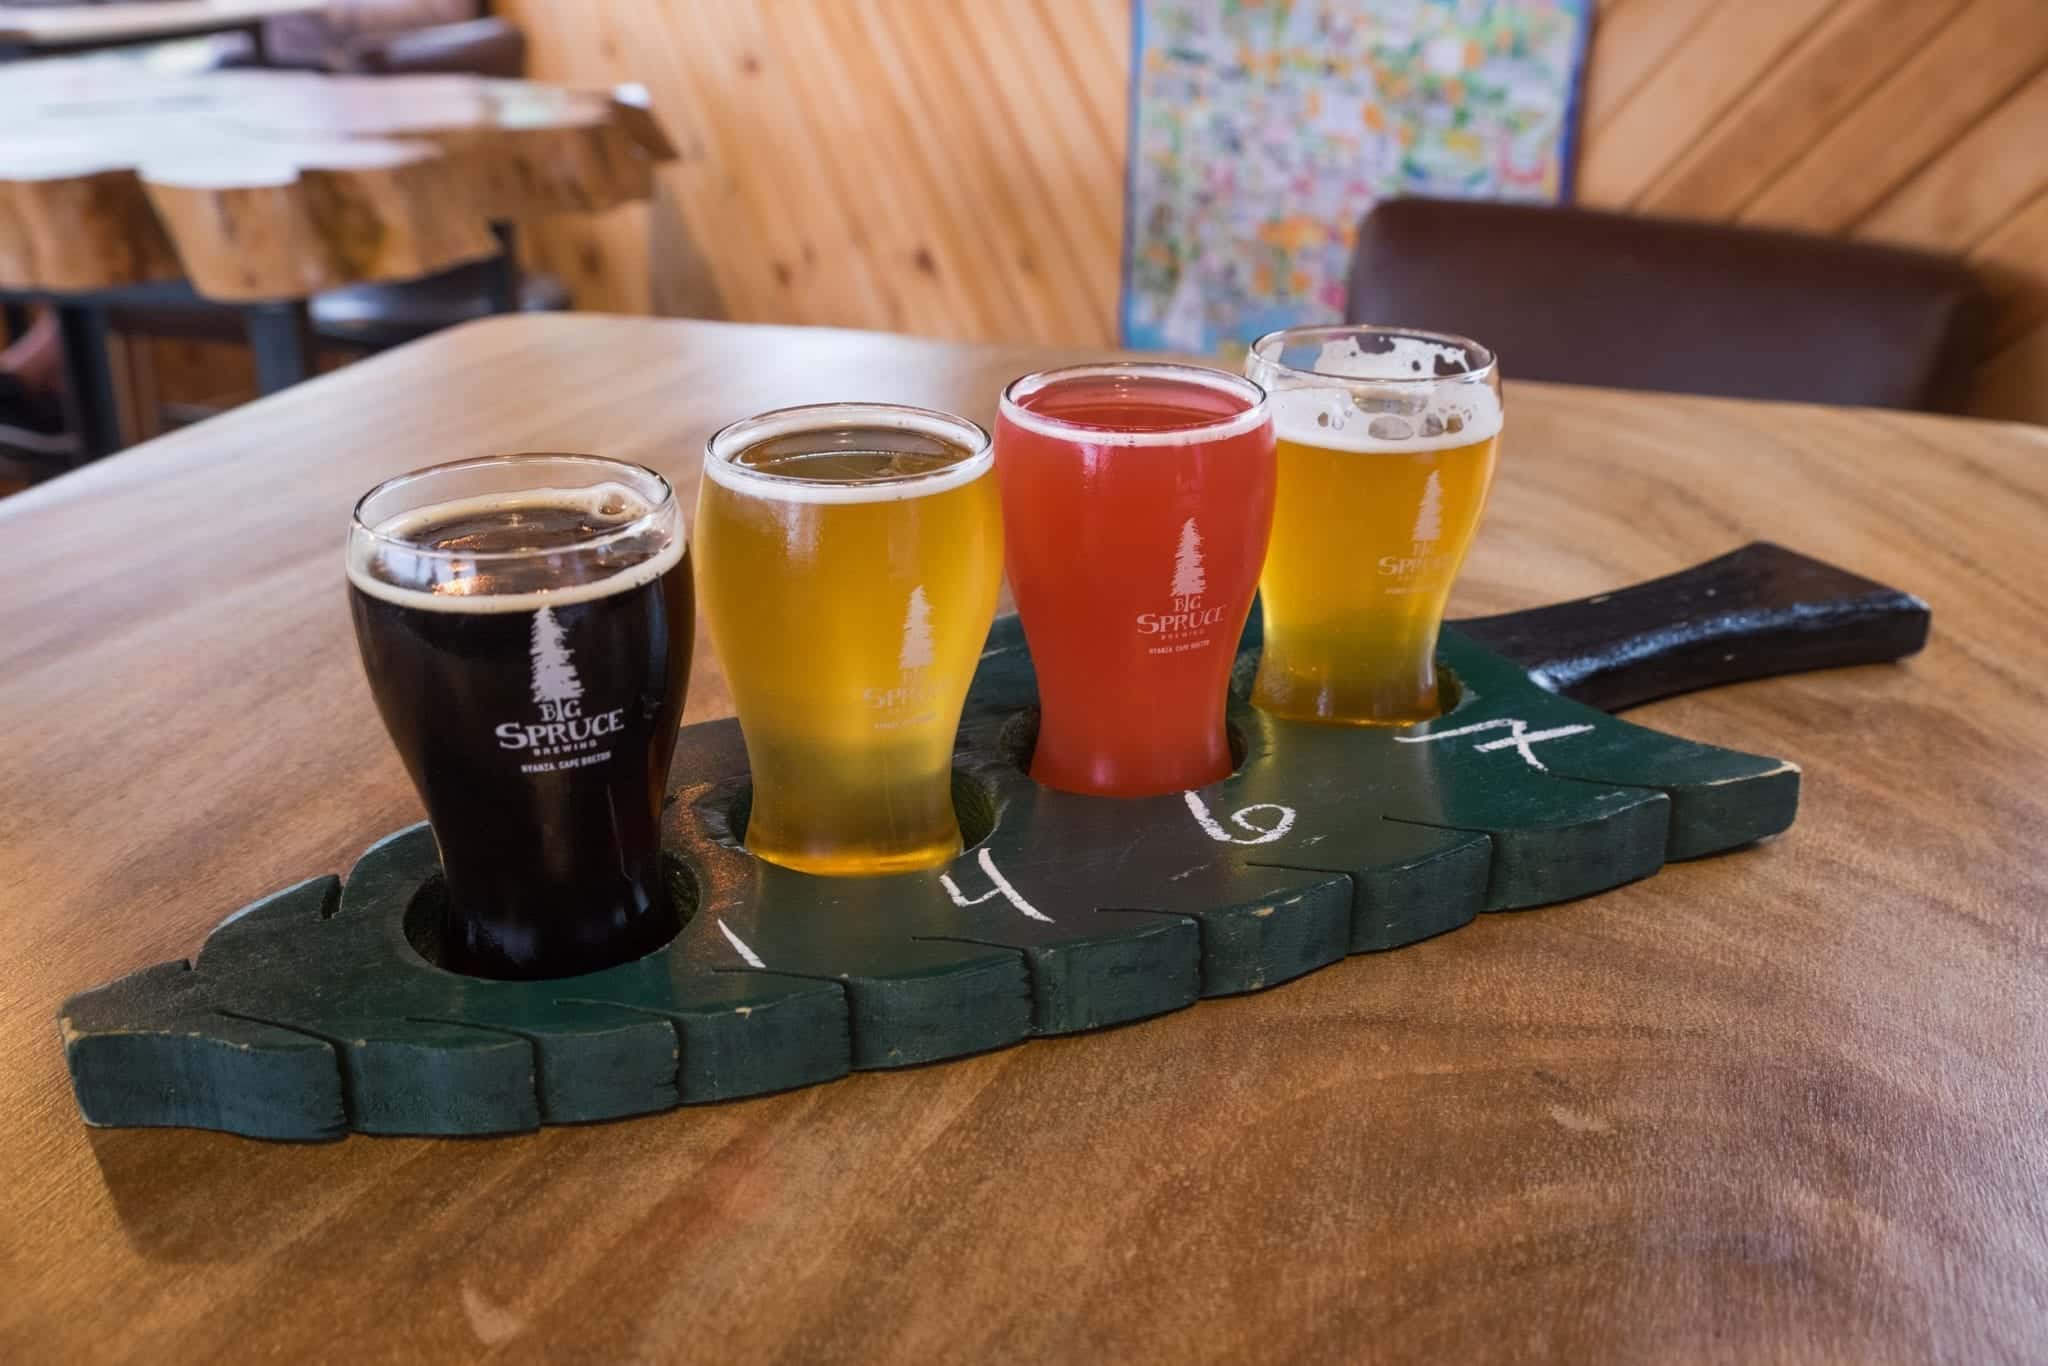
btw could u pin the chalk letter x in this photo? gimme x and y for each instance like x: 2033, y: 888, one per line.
x: 1519, y: 737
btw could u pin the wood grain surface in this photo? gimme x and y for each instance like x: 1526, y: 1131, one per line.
x: 280, y: 184
x: 1782, y: 1106
x: 925, y: 209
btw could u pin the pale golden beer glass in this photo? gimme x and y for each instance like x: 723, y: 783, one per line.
x: 1387, y: 438
x: 849, y: 556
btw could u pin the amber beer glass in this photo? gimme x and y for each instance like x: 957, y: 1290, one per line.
x: 1137, y: 499
x: 525, y: 624
x: 1387, y: 440
x: 850, y: 554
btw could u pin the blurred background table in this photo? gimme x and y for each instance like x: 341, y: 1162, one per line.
x: 55, y: 25
x: 1781, y: 1105
x: 128, y: 192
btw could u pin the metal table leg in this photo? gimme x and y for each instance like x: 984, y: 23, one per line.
x: 505, y: 285
x: 93, y: 408
x: 281, y: 336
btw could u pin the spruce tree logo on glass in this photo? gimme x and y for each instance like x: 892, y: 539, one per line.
x: 1188, y: 625
x: 564, y: 737
x: 909, y: 701
x: 1423, y: 558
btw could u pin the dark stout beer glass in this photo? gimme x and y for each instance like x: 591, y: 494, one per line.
x: 525, y: 623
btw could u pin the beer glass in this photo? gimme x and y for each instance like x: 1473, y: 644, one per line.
x: 1387, y: 440
x: 525, y: 623
x: 851, y: 555
x: 1137, y: 499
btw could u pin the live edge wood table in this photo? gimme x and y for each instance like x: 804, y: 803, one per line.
x: 122, y: 186
x: 1788, y: 1104
x: 54, y: 26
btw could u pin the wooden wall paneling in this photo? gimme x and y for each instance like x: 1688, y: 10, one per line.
x: 1631, y: 41
x: 811, y: 221
x: 936, y: 238
x: 1055, y: 144
x: 703, y: 180
x: 958, y: 241
x: 1094, y: 39
x: 1980, y: 56
x: 683, y: 281
x: 2014, y: 383
x: 950, y: 236
x: 1681, y: 101
x: 1054, y: 254
x: 1024, y: 237
x: 1069, y: 142
x: 605, y: 259
x: 837, y: 207
x: 910, y: 238
x: 706, y: 61
x: 2014, y: 262
x: 1094, y: 42
x: 1822, y: 77
x: 1979, y: 182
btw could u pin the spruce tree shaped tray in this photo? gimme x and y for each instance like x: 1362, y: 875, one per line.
x: 319, y: 1010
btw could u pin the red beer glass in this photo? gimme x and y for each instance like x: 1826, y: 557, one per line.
x: 1137, y: 500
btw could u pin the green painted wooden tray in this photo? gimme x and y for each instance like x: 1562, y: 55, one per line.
x: 319, y: 1010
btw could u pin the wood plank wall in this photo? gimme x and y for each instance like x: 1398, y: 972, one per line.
x: 955, y: 167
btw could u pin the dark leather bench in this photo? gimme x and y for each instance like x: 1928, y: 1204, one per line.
x: 1589, y: 297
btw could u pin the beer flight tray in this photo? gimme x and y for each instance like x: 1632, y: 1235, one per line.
x: 319, y: 1010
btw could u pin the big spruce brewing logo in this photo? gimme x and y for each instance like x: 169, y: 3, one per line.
x: 910, y: 700
x: 564, y: 737
x: 1187, y: 626
x: 1423, y: 558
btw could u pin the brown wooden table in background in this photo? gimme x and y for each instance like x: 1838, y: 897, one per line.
x: 1786, y: 1104
x: 85, y: 23
x: 122, y: 185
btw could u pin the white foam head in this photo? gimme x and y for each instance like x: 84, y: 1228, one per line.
x: 1385, y: 401
x: 447, y: 580
x: 1247, y: 419
x: 722, y: 452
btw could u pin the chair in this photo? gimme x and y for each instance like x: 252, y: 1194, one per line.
x: 1589, y: 297
x: 376, y: 317
x: 479, y: 47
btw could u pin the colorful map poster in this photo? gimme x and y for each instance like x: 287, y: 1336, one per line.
x: 1262, y: 131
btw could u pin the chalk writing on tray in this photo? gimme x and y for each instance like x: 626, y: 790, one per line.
x: 747, y: 955
x: 1258, y: 828
x: 1000, y: 887
x: 1519, y: 737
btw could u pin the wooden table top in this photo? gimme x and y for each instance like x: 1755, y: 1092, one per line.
x: 48, y: 25
x: 1790, y: 1103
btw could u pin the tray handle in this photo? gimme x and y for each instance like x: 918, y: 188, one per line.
x: 1753, y: 613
